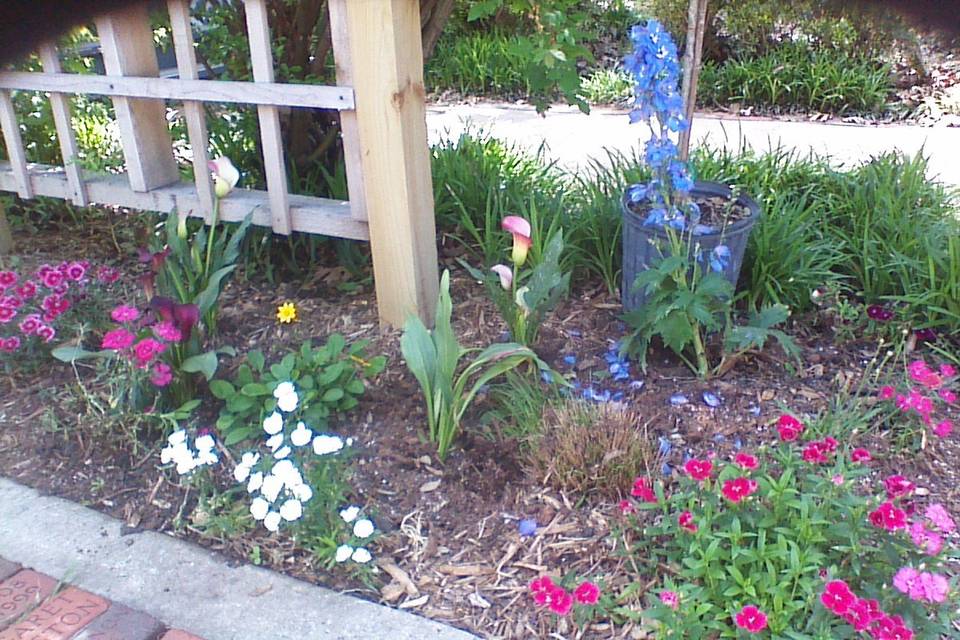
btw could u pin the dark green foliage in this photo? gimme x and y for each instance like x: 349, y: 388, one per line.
x: 329, y: 380
x: 794, y: 76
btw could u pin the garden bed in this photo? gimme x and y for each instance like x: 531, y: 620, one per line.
x: 451, y: 548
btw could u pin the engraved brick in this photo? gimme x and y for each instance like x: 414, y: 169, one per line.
x: 7, y: 568
x: 58, y: 618
x: 21, y: 593
x: 122, y: 623
x: 177, y: 634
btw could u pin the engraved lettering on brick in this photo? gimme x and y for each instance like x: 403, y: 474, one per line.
x: 60, y: 618
x: 21, y: 593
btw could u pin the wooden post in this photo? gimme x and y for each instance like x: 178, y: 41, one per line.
x: 696, y: 19
x: 127, y: 45
x: 387, y: 61
x: 14, y: 143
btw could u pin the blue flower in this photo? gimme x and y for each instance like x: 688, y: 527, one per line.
x: 720, y: 258
x: 527, y: 528
x: 656, y: 217
x: 637, y: 192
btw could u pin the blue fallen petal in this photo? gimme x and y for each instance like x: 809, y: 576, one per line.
x: 665, y: 469
x: 665, y: 446
x: 737, y: 444
x: 678, y: 399
x: 755, y: 409
x: 546, y: 376
x: 719, y: 437
x: 527, y: 528
x: 570, y: 360
x: 711, y: 399
x: 636, y: 385
x: 574, y: 333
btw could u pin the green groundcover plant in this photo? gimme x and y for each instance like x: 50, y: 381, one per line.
x: 792, y: 542
x: 330, y: 378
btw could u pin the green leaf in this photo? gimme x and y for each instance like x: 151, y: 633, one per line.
x: 207, y: 298
x: 483, y: 9
x: 71, y: 353
x: 205, y: 363
x: 332, y: 395
x: 222, y: 389
x: 355, y: 387
x: 238, y: 435
x: 254, y: 389
x: 256, y: 359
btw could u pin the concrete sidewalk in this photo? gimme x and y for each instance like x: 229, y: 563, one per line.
x: 572, y: 138
x: 182, y: 585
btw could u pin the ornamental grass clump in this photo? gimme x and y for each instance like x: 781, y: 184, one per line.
x: 789, y: 540
x: 592, y: 448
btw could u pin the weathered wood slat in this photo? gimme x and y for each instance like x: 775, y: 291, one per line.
x: 14, y: 144
x: 271, y: 142
x: 60, y: 105
x: 260, y: 93
x: 307, y: 213
x: 192, y: 110
x: 126, y: 42
x: 349, y: 130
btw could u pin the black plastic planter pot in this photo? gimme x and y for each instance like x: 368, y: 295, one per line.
x: 644, y: 245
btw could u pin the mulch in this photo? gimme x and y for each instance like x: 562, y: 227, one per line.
x: 451, y: 549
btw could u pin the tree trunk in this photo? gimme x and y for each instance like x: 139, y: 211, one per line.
x: 434, y: 15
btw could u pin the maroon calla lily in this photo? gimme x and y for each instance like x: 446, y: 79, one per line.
x: 156, y: 260
x: 183, y: 316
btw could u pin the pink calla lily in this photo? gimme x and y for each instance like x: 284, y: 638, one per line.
x: 521, y: 231
x: 505, y: 273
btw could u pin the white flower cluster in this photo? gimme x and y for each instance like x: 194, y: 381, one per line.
x: 179, y: 452
x: 362, y: 529
x: 283, y: 483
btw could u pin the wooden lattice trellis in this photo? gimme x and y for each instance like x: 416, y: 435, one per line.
x: 380, y: 97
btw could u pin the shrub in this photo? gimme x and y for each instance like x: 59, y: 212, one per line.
x: 768, y: 541
x: 592, y: 448
x: 487, y: 63
x: 607, y: 86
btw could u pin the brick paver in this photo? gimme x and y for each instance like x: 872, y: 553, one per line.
x: 7, y: 568
x: 122, y: 623
x: 21, y: 593
x: 59, y: 618
x: 30, y: 610
x: 177, y: 634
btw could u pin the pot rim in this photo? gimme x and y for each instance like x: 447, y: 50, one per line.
x: 705, y: 187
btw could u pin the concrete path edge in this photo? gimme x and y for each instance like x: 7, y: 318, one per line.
x: 187, y: 586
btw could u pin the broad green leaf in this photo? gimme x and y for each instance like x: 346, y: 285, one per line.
x: 71, y: 353
x: 205, y: 363
x: 222, y: 389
